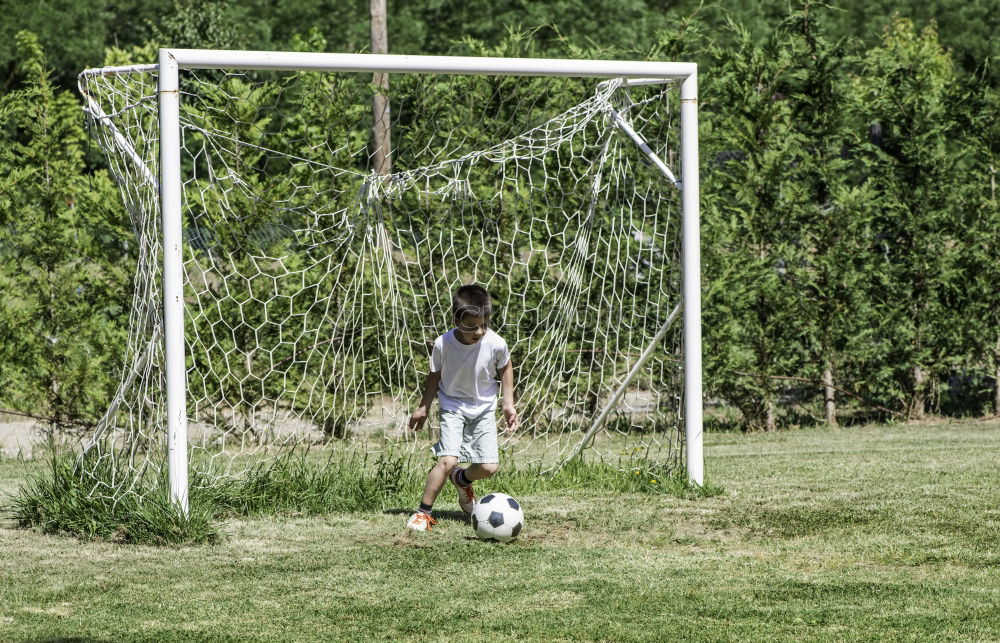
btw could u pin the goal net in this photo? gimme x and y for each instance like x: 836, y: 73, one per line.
x: 315, y: 284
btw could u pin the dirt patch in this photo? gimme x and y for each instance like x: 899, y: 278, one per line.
x: 384, y: 416
x: 19, y: 437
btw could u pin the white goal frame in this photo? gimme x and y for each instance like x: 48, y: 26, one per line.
x: 636, y: 72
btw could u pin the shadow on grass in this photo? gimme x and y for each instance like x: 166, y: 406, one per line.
x: 449, y: 514
x: 796, y: 522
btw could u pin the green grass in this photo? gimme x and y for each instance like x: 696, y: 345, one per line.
x: 880, y: 532
x: 61, y: 499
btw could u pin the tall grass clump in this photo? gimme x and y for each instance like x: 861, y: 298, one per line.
x: 61, y: 500
x: 297, y: 484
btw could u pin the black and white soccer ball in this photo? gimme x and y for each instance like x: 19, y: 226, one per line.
x: 497, y: 516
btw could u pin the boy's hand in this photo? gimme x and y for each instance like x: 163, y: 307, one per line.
x: 418, y: 418
x: 510, y: 415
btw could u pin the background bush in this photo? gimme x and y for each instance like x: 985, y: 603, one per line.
x: 849, y: 170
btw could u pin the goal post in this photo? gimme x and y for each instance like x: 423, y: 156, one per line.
x: 173, y: 280
x: 176, y: 363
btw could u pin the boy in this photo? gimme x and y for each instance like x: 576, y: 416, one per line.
x: 466, y: 363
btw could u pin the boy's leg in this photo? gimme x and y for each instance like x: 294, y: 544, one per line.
x: 466, y: 496
x: 421, y: 520
x: 481, y: 470
x: 447, y: 452
x: 479, y: 445
x: 437, y: 477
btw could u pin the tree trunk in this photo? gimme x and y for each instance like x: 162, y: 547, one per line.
x: 381, y: 144
x: 917, y: 405
x: 996, y: 379
x: 996, y: 354
x: 996, y: 390
x: 829, y: 401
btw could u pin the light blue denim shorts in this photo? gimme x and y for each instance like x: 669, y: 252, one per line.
x: 469, y: 439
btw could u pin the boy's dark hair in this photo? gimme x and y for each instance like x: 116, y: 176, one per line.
x: 471, y: 300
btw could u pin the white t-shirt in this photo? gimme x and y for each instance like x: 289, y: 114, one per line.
x: 469, y: 372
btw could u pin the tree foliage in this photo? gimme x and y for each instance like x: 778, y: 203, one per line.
x: 850, y: 207
x: 908, y: 92
x: 65, y: 255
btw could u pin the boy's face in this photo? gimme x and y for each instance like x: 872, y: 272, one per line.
x: 470, y: 328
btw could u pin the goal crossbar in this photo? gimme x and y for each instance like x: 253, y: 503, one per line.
x: 385, y: 63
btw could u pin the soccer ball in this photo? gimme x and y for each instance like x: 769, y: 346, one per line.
x: 497, y: 516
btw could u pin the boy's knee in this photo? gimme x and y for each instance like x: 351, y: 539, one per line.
x: 446, y: 463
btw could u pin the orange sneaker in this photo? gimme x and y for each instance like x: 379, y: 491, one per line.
x: 421, y: 522
x: 466, y: 496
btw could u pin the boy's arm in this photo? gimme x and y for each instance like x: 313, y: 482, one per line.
x: 507, y: 388
x: 430, y: 392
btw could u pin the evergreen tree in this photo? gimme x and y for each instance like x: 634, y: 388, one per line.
x: 907, y: 96
x: 978, y: 296
x: 64, y: 263
x: 835, y: 221
x: 754, y: 245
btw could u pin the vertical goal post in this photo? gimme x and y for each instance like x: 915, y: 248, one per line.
x: 171, y: 61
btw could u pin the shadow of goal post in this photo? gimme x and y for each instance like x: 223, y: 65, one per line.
x: 172, y: 60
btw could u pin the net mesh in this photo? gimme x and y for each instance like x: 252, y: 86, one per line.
x: 314, y: 287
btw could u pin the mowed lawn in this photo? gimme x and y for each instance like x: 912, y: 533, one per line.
x: 877, y: 532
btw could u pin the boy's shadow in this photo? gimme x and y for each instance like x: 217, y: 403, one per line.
x: 452, y: 515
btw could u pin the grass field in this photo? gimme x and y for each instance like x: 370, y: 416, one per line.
x: 879, y: 532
